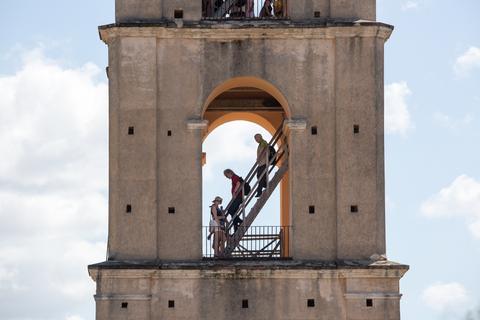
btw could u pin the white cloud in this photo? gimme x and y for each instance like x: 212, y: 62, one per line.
x: 9, y: 279
x: 450, y: 123
x: 409, y: 5
x: 460, y: 198
x: 53, y: 188
x: 231, y: 145
x: 467, y: 62
x: 397, y: 115
x: 446, y: 297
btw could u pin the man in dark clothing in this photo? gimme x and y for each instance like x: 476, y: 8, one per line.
x: 236, y: 184
x: 266, y: 11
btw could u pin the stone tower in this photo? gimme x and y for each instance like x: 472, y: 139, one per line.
x: 311, y: 69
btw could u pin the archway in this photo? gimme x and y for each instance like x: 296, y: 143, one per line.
x: 239, y: 156
x: 255, y: 101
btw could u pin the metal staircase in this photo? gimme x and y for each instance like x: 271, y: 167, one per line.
x: 243, y: 9
x: 280, y: 159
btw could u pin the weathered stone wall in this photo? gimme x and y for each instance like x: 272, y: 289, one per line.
x: 330, y: 78
x: 133, y: 158
x: 154, y: 10
x: 332, y: 9
x: 218, y: 293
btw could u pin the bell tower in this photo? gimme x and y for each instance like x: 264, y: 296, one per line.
x: 308, y: 71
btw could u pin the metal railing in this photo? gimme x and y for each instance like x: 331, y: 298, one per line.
x: 258, y: 242
x: 244, y: 9
x: 237, y: 223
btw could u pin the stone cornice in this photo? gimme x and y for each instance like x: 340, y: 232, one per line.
x: 229, y: 32
x: 281, y: 270
x: 228, y: 274
x: 123, y: 297
x: 376, y: 295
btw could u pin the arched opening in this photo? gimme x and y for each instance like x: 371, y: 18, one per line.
x: 237, y: 110
x: 223, y: 154
x: 258, y: 85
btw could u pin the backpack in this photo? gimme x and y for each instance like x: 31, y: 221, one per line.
x: 272, y: 153
x: 246, y: 186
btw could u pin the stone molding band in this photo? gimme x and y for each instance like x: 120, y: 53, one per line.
x: 131, y: 297
x: 110, y: 33
x: 374, y: 295
x: 226, y: 273
x: 295, y: 124
x: 289, y: 124
x: 197, y: 124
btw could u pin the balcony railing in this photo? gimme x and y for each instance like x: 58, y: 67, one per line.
x: 244, y: 9
x: 258, y: 242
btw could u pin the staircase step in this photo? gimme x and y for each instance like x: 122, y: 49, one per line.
x: 235, y: 239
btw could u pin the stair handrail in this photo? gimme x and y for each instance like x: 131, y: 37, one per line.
x: 250, y: 174
x: 234, y: 240
x: 247, y: 199
x: 250, y: 177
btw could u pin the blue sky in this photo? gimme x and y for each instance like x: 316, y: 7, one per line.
x: 53, y: 176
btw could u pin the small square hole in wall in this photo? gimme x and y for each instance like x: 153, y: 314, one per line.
x: 171, y: 210
x: 353, y: 208
x: 317, y: 14
x: 171, y: 303
x: 178, y: 14
x: 369, y: 302
x: 310, y: 303
x: 356, y: 128
x: 124, y: 305
x: 311, y: 209
x: 314, y: 130
x: 244, y: 304
x: 128, y: 208
x: 131, y: 130
x: 169, y: 133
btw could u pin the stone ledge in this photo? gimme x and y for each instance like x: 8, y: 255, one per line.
x: 123, y: 297
x: 246, y: 269
x: 238, y: 30
x: 247, y: 23
x: 280, y: 264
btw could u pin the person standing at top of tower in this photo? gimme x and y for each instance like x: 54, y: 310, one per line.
x: 266, y: 11
x: 262, y: 160
x: 278, y: 8
x: 237, y: 10
x: 207, y: 9
x: 236, y: 183
x: 249, y: 9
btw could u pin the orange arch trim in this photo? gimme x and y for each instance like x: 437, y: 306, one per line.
x: 248, y: 82
x: 245, y: 116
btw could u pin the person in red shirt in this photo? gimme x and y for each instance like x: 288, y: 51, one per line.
x: 236, y: 184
